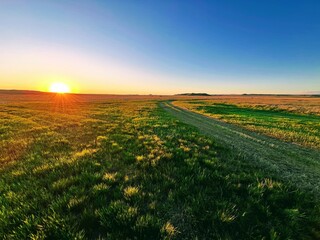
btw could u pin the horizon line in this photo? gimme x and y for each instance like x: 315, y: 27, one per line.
x: 311, y: 93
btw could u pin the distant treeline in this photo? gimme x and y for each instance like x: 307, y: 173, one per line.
x: 193, y: 94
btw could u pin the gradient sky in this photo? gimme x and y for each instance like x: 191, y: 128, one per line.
x: 161, y: 47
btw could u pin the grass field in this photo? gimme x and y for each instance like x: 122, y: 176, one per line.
x: 121, y: 167
x: 291, y: 119
x: 294, y: 163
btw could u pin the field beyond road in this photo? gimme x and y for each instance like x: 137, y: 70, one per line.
x: 133, y: 167
x: 291, y: 119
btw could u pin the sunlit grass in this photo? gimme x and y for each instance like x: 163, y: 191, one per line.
x: 128, y: 170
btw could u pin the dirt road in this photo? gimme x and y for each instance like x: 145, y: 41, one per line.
x: 297, y: 164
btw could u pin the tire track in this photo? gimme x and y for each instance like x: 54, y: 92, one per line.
x: 294, y: 163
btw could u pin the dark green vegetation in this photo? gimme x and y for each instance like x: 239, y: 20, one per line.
x: 128, y: 169
x: 303, y: 129
x: 293, y: 127
x: 194, y: 94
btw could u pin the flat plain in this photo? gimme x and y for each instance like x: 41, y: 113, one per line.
x: 130, y: 167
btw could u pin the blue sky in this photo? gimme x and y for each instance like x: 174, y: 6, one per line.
x: 162, y: 46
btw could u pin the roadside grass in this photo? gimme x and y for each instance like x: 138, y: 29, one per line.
x: 293, y: 103
x: 303, y: 129
x: 128, y: 170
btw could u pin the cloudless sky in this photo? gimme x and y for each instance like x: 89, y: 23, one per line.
x: 161, y: 47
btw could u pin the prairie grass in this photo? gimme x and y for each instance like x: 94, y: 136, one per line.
x: 300, y: 125
x: 128, y: 170
x: 294, y: 103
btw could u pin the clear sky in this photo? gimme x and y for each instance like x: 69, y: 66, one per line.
x: 161, y: 47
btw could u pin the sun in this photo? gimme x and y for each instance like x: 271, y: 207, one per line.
x: 59, y: 88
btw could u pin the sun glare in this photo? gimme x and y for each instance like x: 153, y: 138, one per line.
x: 59, y: 88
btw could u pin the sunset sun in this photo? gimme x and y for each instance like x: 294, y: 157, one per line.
x: 59, y: 88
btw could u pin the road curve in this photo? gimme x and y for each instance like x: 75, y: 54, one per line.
x: 297, y: 164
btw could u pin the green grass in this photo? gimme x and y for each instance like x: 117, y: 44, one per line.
x: 129, y: 170
x: 303, y: 129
